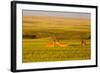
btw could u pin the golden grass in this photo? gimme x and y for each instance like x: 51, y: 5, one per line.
x: 43, y: 48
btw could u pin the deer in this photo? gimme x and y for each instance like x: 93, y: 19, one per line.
x: 56, y: 42
x: 83, y: 42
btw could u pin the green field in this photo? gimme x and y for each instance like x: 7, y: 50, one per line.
x: 38, y: 32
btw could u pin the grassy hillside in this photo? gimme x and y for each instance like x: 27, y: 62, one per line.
x: 41, y: 31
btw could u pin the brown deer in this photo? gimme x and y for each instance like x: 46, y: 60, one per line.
x: 83, y: 42
x: 56, y: 42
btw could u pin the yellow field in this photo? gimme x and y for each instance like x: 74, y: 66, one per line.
x: 47, y: 38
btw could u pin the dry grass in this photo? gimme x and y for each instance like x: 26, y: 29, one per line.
x: 43, y: 48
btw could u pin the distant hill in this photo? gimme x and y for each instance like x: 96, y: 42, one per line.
x: 45, y: 26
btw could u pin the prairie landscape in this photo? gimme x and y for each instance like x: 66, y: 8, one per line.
x: 55, y: 38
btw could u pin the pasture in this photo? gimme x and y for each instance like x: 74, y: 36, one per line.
x: 41, y: 31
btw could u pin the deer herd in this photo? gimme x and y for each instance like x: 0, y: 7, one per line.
x: 57, y: 43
